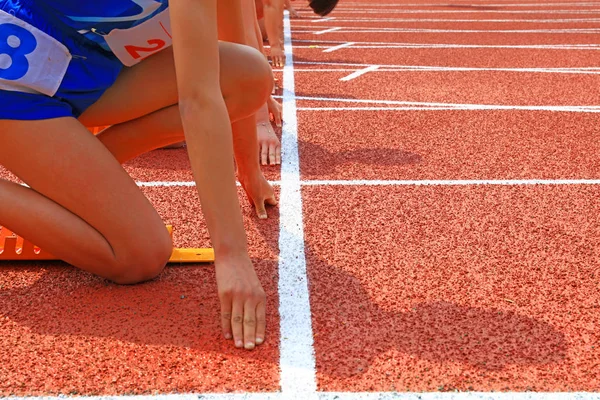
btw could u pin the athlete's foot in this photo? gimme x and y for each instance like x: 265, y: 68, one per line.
x: 268, y: 143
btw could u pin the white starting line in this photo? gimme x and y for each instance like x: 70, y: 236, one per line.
x: 398, y: 45
x: 342, y: 67
x: 353, y: 29
x: 425, y: 182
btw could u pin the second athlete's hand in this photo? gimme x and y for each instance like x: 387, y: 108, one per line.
x: 278, y: 57
x: 259, y: 191
x: 243, y: 301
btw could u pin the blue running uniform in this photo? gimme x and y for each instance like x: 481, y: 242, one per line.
x: 57, y: 57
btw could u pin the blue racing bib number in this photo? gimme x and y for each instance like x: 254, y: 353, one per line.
x: 15, y: 43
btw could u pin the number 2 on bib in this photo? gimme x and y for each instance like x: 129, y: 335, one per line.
x: 155, y: 45
x: 16, y: 43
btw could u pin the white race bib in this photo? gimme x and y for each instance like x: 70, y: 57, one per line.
x: 134, y: 44
x: 30, y: 60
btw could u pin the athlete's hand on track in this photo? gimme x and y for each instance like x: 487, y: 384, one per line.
x: 243, y: 301
x: 275, y: 111
x: 259, y: 191
x: 278, y: 57
x: 293, y: 13
x: 268, y: 143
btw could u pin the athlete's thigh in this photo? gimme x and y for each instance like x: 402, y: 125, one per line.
x: 139, y: 90
x: 151, y: 85
x: 64, y: 162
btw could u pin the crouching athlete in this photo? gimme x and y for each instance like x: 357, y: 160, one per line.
x: 154, y: 71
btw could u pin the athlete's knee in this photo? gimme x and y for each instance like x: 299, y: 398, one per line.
x: 144, y: 259
x: 260, y: 76
x: 249, y: 83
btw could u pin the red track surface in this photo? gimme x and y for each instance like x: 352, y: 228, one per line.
x: 484, y: 87
x: 457, y: 57
x: 66, y: 331
x: 449, y: 145
x: 475, y: 288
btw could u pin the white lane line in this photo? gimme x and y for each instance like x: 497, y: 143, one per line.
x: 358, y: 45
x: 297, y: 358
x: 455, y: 182
x: 439, y: 68
x: 323, y: 19
x: 439, y: 106
x: 466, y: 107
x: 425, y: 20
x: 461, y: 396
x: 416, y: 69
x: 168, y: 184
x: 575, y: 4
x: 328, y: 30
x: 354, y: 29
x: 339, y: 396
x: 399, y: 182
x: 465, y: 11
x: 340, y: 46
x: 360, y: 72
x: 314, y: 41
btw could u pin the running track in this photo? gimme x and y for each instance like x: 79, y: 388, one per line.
x: 437, y: 235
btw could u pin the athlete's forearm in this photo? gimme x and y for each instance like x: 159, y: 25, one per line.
x: 209, y: 143
x: 259, y: 38
x: 273, y: 10
x: 206, y: 121
x: 230, y: 21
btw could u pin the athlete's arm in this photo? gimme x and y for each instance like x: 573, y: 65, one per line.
x: 209, y: 140
x: 230, y: 21
x: 273, y: 10
x: 288, y: 6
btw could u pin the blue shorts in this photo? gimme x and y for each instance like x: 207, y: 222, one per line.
x: 48, y: 69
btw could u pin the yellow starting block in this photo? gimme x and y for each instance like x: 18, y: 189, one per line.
x: 15, y: 248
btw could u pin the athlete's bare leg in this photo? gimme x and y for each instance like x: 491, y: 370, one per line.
x: 145, y: 117
x: 81, y: 206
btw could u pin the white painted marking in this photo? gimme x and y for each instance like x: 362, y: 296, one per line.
x: 168, y: 184
x: 297, y: 359
x: 357, y: 45
x: 436, y: 68
x: 458, y: 69
x: 400, y: 5
x: 455, y: 182
x: 460, y: 396
x: 466, y: 107
x: 433, y: 182
x: 340, y: 396
x: 323, y: 19
x: 425, y: 20
x: 416, y: 105
x: 358, y: 73
x: 335, y: 48
x: 327, y: 31
x: 314, y: 41
x: 351, y: 29
x: 465, y: 11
